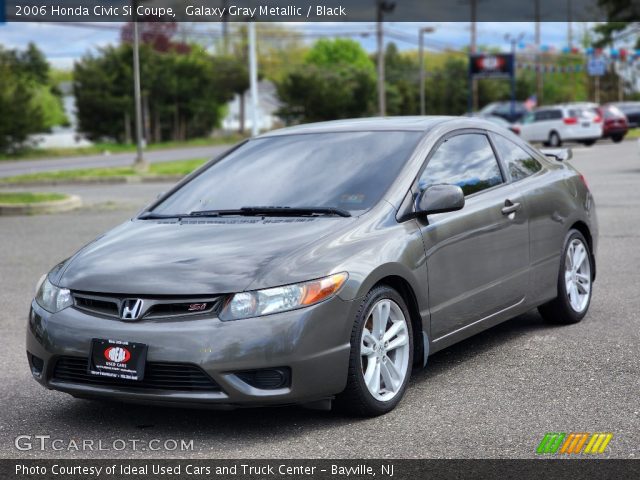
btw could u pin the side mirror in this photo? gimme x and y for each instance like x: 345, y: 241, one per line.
x: 559, y: 154
x: 439, y: 199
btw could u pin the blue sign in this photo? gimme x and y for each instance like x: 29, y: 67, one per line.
x: 596, y: 66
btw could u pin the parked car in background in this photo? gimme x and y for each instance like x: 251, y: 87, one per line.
x: 555, y: 124
x: 502, y: 123
x: 503, y: 110
x: 616, y: 124
x: 631, y: 111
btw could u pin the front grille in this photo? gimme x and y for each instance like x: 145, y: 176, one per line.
x: 107, y: 308
x: 154, y: 308
x: 157, y: 376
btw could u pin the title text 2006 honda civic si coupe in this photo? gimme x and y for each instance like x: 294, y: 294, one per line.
x: 318, y: 263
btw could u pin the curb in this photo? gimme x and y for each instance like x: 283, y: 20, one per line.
x: 55, y: 206
x: 94, y: 181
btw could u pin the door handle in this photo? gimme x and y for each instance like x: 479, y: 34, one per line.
x: 510, y: 207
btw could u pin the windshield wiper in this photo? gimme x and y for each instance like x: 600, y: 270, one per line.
x: 200, y: 213
x: 253, y: 211
x: 295, y: 211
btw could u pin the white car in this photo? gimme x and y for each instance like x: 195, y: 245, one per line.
x: 553, y: 125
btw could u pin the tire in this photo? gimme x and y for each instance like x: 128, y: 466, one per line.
x: 617, y: 138
x: 588, y: 143
x: 358, y: 398
x: 566, y: 309
x: 554, y: 139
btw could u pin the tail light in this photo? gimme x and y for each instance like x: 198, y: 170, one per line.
x: 584, y: 180
x: 597, y: 119
x: 570, y: 121
x: 515, y: 130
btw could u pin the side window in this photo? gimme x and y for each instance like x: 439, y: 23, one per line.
x: 518, y: 162
x: 465, y: 160
x: 540, y: 116
x: 555, y: 114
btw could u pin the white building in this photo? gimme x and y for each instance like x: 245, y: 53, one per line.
x: 268, y: 105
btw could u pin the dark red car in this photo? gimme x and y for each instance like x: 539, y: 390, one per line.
x: 615, y: 124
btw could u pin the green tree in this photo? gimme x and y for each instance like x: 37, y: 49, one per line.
x: 20, y: 115
x: 29, y: 102
x: 402, y: 75
x: 336, y: 80
x: 183, y: 93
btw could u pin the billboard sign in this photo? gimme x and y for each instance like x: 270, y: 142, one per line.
x: 487, y: 65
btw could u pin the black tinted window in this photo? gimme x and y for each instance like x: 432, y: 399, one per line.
x: 540, y: 116
x: 555, y: 114
x: 347, y: 170
x: 464, y: 160
x: 518, y: 162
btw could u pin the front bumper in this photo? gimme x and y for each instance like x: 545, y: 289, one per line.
x: 313, y: 342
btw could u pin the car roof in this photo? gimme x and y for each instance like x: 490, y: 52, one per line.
x: 416, y: 123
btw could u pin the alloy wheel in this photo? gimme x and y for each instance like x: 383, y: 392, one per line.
x: 384, y: 350
x: 577, y: 275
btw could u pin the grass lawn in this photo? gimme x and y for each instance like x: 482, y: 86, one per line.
x: 30, y: 197
x: 181, y: 168
x: 633, y: 133
x: 101, y: 148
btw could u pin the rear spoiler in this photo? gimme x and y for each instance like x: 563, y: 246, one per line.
x: 559, y: 154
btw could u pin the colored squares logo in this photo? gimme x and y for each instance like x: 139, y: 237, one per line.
x: 574, y: 443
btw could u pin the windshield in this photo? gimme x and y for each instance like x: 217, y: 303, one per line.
x: 347, y: 170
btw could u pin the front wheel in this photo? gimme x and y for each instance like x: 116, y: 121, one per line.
x: 381, y: 355
x: 575, y: 283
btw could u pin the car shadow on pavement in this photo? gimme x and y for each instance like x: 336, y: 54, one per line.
x: 252, y: 425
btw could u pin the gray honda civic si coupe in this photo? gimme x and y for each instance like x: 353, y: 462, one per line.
x: 317, y: 264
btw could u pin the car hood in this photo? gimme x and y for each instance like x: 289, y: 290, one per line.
x: 192, y: 257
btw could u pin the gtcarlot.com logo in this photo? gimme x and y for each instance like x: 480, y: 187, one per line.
x: 574, y: 443
x: 45, y: 442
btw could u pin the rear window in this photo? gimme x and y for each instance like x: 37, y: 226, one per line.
x: 612, y: 111
x: 581, y: 113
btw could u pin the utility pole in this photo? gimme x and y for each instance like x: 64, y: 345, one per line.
x: 421, y: 34
x: 538, y: 46
x: 140, y: 162
x: 514, y: 41
x: 570, y: 45
x: 225, y: 28
x: 473, y: 49
x: 382, y: 7
x: 253, y: 79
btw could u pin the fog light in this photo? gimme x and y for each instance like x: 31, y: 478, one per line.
x: 36, y: 364
x: 267, y: 378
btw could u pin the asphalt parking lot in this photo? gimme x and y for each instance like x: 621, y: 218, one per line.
x: 494, y: 395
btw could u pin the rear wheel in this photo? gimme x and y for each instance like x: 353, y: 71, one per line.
x: 574, y: 283
x: 588, y: 143
x: 617, y: 138
x: 381, y: 355
x: 554, y: 139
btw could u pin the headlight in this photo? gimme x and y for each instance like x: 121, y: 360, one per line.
x: 281, y: 299
x: 52, y: 298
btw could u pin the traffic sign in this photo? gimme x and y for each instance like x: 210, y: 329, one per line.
x: 596, y: 66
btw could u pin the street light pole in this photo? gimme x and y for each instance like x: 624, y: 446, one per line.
x: 253, y: 79
x: 382, y: 7
x: 140, y: 162
x: 514, y: 41
x: 421, y: 33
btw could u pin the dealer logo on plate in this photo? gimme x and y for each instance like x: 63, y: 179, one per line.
x: 117, y: 354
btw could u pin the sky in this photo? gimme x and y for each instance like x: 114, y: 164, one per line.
x: 64, y: 43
